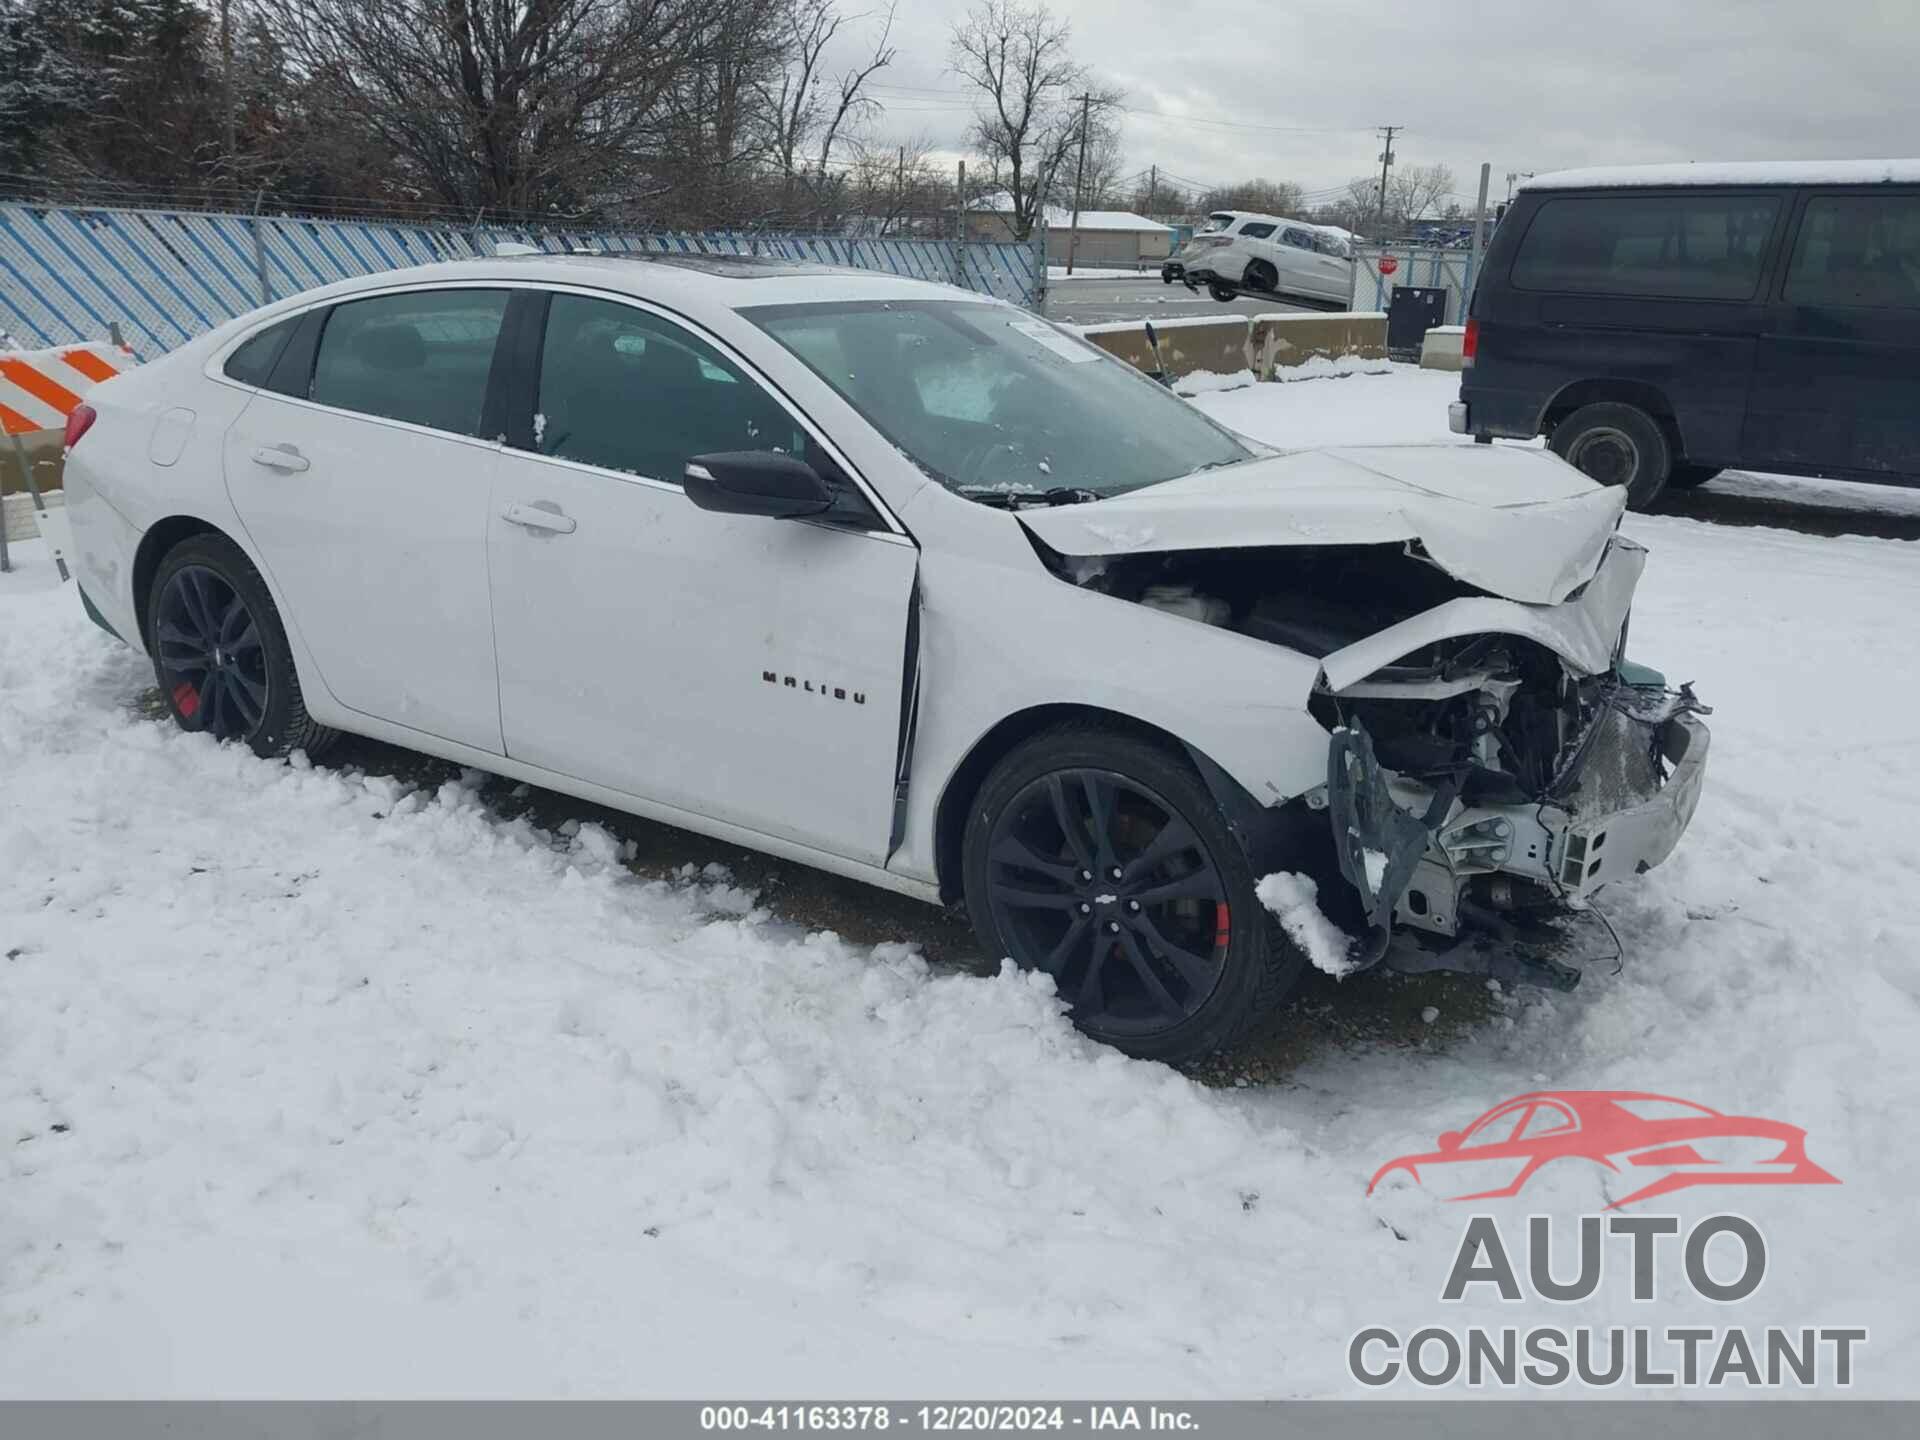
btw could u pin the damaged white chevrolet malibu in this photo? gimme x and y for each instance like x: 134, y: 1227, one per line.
x: 906, y: 584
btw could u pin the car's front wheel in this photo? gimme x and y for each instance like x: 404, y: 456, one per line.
x: 1099, y: 857
x: 220, y: 653
x: 1617, y: 445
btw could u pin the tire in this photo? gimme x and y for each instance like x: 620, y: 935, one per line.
x: 220, y: 653
x: 1262, y: 276
x: 1685, y: 477
x: 1166, y: 277
x: 1222, y: 293
x: 1173, y: 978
x: 1617, y: 445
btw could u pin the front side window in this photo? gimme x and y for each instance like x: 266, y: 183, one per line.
x: 1546, y: 1120
x: 1682, y: 246
x: 1332, y: 245
x: 626, y: 390
x: 1256, y: 230
x: 1299, y: 239
x: 422, y: 357
x: 1858, y: 250
x: 988, y: 399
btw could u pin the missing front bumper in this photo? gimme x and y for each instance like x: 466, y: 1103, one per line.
x: 1484, y: 876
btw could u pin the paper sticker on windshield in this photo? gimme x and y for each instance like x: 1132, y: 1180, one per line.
x: 1053, y: 340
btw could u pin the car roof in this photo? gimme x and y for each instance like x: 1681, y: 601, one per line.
x: 1577, y: 1098
x: 724, y: 281
x: 1744, y: 172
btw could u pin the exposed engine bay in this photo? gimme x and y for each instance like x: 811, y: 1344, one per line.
x: 1476, y: 783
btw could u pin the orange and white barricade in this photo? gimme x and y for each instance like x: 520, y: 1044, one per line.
x: 38, y: 391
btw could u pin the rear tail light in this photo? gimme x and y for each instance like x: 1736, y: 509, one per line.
x: 1470, y: 342
x: 79, y: 422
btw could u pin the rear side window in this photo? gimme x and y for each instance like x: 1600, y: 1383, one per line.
x: 1253, y: 229
x: 253, y: 361
x: 422, y: 357
x: 1684, y: 246
x: 1858, y: 250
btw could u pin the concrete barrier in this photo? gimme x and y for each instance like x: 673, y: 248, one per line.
x: 44, y: 452
x: 1187, y: 347
x: 1280, y: 341
x: 1441, y: 350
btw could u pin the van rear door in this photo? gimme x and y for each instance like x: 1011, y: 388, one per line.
x: 1837, y: 371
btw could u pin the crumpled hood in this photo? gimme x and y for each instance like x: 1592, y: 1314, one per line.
x: 1516, y: 523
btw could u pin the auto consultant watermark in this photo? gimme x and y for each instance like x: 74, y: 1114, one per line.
x: 1657, y: 1144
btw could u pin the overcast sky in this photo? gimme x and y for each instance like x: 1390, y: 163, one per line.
x: 1524, y: 84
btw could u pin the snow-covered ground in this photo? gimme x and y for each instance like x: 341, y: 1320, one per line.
x: 313, y: 1085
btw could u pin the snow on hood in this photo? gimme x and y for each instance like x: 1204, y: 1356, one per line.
x: 1520, y: 524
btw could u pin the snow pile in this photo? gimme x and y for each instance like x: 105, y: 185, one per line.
x: 1207, y: 382
x: 1294, y: 900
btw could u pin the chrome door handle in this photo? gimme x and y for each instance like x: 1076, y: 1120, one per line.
x: 539, y: 517
x: 280, y: 457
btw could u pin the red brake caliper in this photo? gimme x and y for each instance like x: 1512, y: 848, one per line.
x: 186, y: 699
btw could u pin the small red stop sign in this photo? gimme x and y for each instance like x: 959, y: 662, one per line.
x: 1388, y: 264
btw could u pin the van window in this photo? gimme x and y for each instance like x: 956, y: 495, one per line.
x: 1858, y: 250
x: 1256, y: 230
x: 422, y: 356
x: 1686, y: 246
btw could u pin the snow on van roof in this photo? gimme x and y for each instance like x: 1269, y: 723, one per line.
x: 1736, y: 172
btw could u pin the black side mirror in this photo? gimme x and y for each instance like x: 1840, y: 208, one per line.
x: 756, y: 482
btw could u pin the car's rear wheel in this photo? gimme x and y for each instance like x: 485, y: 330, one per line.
x: 220, y: 653
x: 1685, y: 477
x: 1099, y: 857
x: 1262, y: 276
x: 1222, y: 293
x: 1617, y: 445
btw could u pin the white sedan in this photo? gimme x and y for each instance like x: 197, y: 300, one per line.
x: 906, y: 584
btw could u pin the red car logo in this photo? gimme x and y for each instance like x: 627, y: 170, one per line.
x: 1674, y: 1143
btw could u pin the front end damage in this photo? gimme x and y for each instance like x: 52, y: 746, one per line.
x: 1469, y: 819
x: 1493, y: 757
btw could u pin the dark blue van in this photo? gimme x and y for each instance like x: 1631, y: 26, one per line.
x: 1662, y: 323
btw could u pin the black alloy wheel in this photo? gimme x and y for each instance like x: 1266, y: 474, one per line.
x: 220, y: 653
x: 1100, y: 858
x: 207, y: 645
x: 1100, y: 879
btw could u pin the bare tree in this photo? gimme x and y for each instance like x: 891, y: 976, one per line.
x: 1269, y: 197
x: 889, y: 183
x: 1415, y: 189
x: 1030, y: 111
x: 525, y: 105
x: 810, y: 111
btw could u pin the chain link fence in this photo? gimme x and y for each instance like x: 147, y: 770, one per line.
x: 160, y: 277
x: 1443, y: 268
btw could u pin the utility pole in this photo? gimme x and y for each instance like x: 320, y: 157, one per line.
x: 1079, y: 175
x: 1479, y: 241
x: 1386, y: 162
x: 1153, y: 190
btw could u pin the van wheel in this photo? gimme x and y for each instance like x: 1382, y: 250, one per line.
x: 1685, y: 477
x: 1099, y: 857
x: 1617, y: 445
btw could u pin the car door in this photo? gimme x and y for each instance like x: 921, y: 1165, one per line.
x: 1838, y: 364
x: 1333, y: 269
x: 749, y: 670
x: 1299, y: 267
x: 362, y: 476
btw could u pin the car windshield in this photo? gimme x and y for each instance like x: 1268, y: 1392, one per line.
x: 991, y: 400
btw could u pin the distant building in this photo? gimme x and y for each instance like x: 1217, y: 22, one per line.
x: 1107, y: 237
